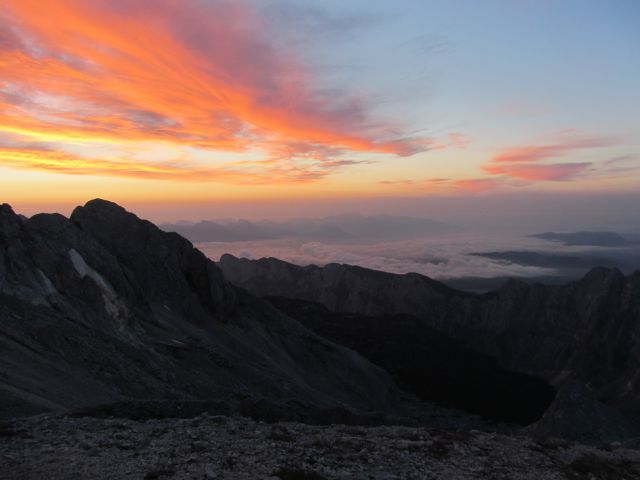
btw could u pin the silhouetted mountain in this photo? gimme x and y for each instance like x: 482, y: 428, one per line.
x: 550, y: 260
x: 487, y: 284
x: 587, y: 330
x: 595, y: 239
x: 103, y: 307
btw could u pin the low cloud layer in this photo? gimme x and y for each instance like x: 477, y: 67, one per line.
x: 441, y: 257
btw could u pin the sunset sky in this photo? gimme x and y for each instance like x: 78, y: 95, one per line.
x: 202, y: 105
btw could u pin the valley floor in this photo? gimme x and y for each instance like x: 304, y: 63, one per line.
x: 218, y: 447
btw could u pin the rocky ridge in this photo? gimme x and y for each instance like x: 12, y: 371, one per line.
x: 587, y: 330
x: 103, y: 306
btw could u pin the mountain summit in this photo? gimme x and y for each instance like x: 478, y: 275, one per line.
x: 103, y: 307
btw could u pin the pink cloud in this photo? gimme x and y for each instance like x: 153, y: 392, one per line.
x: 529, y: 162
x: 458, y: 140
x: 540, y: 172
x: 536, y: 153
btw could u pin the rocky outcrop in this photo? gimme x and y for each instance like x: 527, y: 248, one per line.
x: 587, y: 330
x: 576, y: 415
x: 103, y: 306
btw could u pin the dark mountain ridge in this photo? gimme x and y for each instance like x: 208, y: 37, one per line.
x: 105, y: 307
x: 587, y: 330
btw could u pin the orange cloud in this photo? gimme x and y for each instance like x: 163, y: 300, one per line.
x: 33, y: 158
x: 188, y: 73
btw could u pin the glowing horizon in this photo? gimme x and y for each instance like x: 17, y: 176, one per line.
x: 196, y: 101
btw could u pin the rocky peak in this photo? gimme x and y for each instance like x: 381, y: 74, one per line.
x: 10, y: 223
x: 602, y: 277
x: 171, y: 271
x: 105, y: 306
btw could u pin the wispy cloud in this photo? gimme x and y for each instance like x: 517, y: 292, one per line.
x: 547, y: 172
x: 478, y: 185
x: 536, y: 153
x: 529, y: 162
x: 458, y: 140
x: 201, y: 74
x: 450, y: 185
x: 524, y: 165
x: 621, y: 160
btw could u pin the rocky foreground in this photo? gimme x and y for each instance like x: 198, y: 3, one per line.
x: 220, y: 447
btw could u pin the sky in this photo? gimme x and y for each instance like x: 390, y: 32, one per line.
x: 492, y: 111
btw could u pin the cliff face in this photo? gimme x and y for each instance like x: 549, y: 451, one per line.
x: 104, y: 306
x: 588, y: 330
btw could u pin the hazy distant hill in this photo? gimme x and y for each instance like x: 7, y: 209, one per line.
x: 594, y: 239
x: 550, y: 260
x: 338, y: 228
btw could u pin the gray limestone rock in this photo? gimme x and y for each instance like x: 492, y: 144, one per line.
x: 105, y: 307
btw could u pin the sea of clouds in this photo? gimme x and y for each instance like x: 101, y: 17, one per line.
x: 442, y: 257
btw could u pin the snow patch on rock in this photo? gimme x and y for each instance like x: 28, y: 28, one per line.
x: 114, y: 307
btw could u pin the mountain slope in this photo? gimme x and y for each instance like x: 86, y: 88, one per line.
x: 104, y: 306
x: 587, y: 330
x: 428, y: 363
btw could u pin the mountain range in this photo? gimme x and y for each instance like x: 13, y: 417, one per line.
x: 103, y: 313
x: 586, y: 330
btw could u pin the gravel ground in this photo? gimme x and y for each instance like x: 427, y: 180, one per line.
x: 217, y: 447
